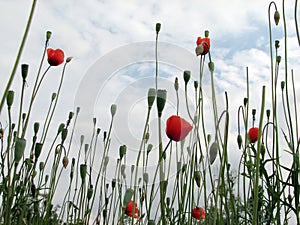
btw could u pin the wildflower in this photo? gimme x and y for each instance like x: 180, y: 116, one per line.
x: 203, y: 45
x: 253, y: 134
x: 198, y: 213
x: 177, y: 128
x: 55, y: 57
x: 132, y: 210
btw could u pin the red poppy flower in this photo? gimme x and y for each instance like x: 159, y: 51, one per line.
x: 198, y: 213
x: 132, y: 210
x: 177, y: 128
x: 203, y: 45
x: 55, y: 57
x: 253, y: 134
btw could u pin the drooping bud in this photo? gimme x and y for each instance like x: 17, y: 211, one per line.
x: 239, y: 141
x: 127, y: 197
x: 24, y: 71
x: 197, y: 178
x: 65, y: 161
x: 276, y: 17
x: 213, y: 151
x: 186, y: 76
x: 161, y: 101
x: 151, y: 97
x: 60, y: 128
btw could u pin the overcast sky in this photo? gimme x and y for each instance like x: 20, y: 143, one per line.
x: 92, y: 30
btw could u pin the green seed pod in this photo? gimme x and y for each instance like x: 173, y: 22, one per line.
x: 151, y: 97
x: 206, y: 33
x: 161, y: 101
x: 38, y: 150
x: 186, y: 76
x: 10, y: 98
x: 89, y: 193
x: 19, y: 149
x: 24, y: 71
x: 113, y: 110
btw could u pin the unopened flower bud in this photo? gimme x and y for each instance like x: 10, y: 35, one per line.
x: 69, y: 59
x: 277, y: 44
x: 89, y: 193
x: 41, y: 166
x: 278, y: 59
x: 276, y: 17
x: 36, y: 127
x: 268, y: 111
x: 19, y: 149
x: 64, y: 134
x: 38, y: 150
x: 186, y: 76
x: 211, y: 66
x: 157, y: 27
x: 146, y: 177
x: 176, y: 85
x: 151, y: 97
x: 239, y: 141
x: 196, y: 84
x: 113, y: 110
x: 60, y: 128
x: 282, y: 85
x: 122, y: 151
x: 65, y: 161
x: 161, y: 101
x: 48, y: 35
x: 149, y: 148
x: 245, y: 101
x: 10, y: 98
x: 24, y: 71
x: 197, y: 178
x: 206, y: 33
x: 83, y: 168
x: 53, y: 96
x: 113, y: 183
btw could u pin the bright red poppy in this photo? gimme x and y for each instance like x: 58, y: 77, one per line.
x: 198, y: 213
x: 132, y: 210
x: 253, y: 134
x: 203, y: 46
x: 177, y: 128
x: 55, y: 57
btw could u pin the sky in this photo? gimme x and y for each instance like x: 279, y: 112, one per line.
x: 112, y: 45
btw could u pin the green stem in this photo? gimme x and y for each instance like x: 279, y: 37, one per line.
x: 13, y: 72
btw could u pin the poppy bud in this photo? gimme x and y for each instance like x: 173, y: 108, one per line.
x: 38, y: 150
x: 282, y: 85
x: 196, y: 84
x: 276, y: 17
x: 53, y: 96
x: 277, y: 44
x: 69, y: 59
x: 123, y: 167
x: 64, y: 134
x: 19, y: 149
x: 268, y: 111
x: 106, y: 160
x: 24, y: 71
x: 10, y: 98
x: 278, y: 59
x: 36, y: 127
x: 186, y: 76
x: 161, y: 101
x: 157, y: 27
x: 113, y: 183
x: 176, y: 85
x: 211, y: 66
x: 89, y: 193
x: 113, y: 110
x: 122, y: 151
x: 127, y: 196
x: 132, y: 169
x: 151, y: 97
x: 60, y: 128
x: 239, y: 141
x: 262, y: 151
x: 245, y: 101
x: 83, y: 168
x: 41, y: 166
x: 149, y: 148
x: 213, y: 151
x: 48, y: 35
x: 206, y: 33
x: 197, y: 178
x: 65, y: 161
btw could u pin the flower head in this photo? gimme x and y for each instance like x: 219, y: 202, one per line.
x: 203, y: 45
x: 253, y: 134
x: 198, y: 213
x: 177, y: 128
x: 55, y: 57
x: 132, y: 210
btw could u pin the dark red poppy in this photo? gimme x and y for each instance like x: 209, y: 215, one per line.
x: 55, y: 57
x: 177, y: 128
x: 132, y: 210
x: 253, y: 134
x: 198, y: 213
x: 203, y: 46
